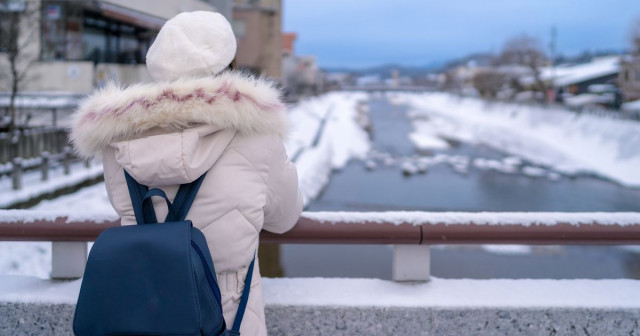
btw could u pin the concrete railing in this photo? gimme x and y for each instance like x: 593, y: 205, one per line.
x: 410, y: 233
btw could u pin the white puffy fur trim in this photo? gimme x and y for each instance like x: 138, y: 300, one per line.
x: 230, y: 100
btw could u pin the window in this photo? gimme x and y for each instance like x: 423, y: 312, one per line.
x: 53, y: 29
x: 128, y: 50
x: 94, y: 44
x: 73, y: 32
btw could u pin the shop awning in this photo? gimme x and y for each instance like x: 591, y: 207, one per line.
x: 131, y: 16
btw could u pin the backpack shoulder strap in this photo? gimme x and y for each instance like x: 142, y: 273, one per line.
x: 143, y: 211
x: 235, y: 330
x: 185, y: 197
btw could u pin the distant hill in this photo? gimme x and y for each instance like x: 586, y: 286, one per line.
x: 385, y: 70
x: 474, y: 59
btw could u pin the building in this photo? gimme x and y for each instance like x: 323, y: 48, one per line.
x: 288, y: 43
x: 576, y: 79
x: 581, y: 85
x: 258, y: 28
x: 78, y: 45
x: 300, y: 75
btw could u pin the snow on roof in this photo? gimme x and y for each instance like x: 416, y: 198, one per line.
x: 572, y: 74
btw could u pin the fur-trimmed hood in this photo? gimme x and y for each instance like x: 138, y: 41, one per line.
x: 228, y: 101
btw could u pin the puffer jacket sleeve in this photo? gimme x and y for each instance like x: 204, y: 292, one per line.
x: 284, y: 201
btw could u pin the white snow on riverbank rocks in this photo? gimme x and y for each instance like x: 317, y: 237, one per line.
x: 550, y: 137
x: 533, y: 171
x: 427, y: 142
x: 501, y: 166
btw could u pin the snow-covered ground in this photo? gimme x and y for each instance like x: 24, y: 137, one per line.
x: 554, y: 138
x: 34, y: 258
x: 503, y: 293
x: 454, y: 293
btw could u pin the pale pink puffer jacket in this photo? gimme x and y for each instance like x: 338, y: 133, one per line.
x: 167, y: 134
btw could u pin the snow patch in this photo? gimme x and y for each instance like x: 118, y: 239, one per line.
x: 427, y: 141
x: 508, y: 249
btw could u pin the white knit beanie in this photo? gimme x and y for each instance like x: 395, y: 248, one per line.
x: 192, y: 45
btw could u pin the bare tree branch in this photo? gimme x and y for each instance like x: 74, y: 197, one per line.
x: 525, y: 51
x: 635, y: 37
x: 488, y: 82
x: 19, y: 30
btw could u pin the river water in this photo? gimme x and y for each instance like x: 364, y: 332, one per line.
x: 380, y: 185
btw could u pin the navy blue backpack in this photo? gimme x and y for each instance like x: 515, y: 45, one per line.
x: 154, y: 278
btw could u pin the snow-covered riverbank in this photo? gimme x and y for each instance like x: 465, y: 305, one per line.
x: 556, y: 138
x: 325, y: 136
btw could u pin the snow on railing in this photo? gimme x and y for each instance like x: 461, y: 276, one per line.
x: 411, y: 233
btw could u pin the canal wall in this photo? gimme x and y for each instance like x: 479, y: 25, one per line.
x: 30, y: 306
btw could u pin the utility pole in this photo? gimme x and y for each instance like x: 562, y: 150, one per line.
x: 553, y: 46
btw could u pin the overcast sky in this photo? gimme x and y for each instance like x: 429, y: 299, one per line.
x: 358, y: 33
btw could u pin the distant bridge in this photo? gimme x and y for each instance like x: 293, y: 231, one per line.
x: 400, y: 88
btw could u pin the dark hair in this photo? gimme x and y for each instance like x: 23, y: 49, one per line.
x: 233, y: 65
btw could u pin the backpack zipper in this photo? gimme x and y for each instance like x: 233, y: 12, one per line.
x: 210, y: 279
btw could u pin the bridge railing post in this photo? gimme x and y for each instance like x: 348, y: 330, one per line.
x: 68, y: 259
x: 411, y: 263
